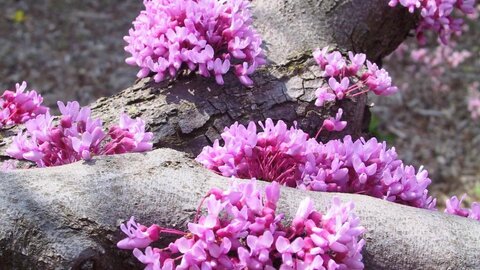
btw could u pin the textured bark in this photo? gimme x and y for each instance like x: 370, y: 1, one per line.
x: 191, y: 111
x: 68, y: 217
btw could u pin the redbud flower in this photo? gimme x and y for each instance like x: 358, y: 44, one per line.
x: 208, y: 36
x: 242, y: 230
x: 290, y: 157
x: 339, y: 88
x: 335, y: 124
x: 76, y: 136
x: 139, y: 236
x: 18, y: 107
x: 437, y: 16
x: 350, y: 78
x: 323, y: 95
x: 453, y: 206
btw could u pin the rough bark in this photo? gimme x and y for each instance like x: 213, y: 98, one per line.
x: 192, y: 111
x: 68, y: 217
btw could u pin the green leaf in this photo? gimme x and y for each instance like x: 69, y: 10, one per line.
x: 19, y: 16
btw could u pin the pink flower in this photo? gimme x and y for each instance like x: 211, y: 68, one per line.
x: 335, y: 124
x: 128, y: 137
x: 204, y: 36
x: 247, y: 233
x: 360, y: 166
x: 77, y: 136
x: 151, y: 258
x: 323, y: 95
x: 139, y: 236
x: 379, y: 81
x: 18, y: 107
x: 438, y: 16
x: 335, y: 64
x: 349, y: 78
x: 339, y: 88
x: 453, y: 206
x: 357, y: 62
x: 320, y: 57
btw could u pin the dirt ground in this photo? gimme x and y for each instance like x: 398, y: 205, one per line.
x: 66, y: 49
x: 73, y: 50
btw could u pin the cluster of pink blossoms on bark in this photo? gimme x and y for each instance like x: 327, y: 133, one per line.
x: 349, y: 77
x: 438, y: 16
x: 290, y: 157
x: 454, y: 207
x: 76, y: 136
x: 19, y: 106
x: 210, y: 36
x: 241, y: 229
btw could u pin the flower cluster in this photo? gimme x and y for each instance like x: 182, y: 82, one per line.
x: 290, y: 157
x: 438, y: 16
x: 241, y: 229
x: 454, y: 207
x: 350, y: 77
x: 210, y: 36
x: 76, y: 136
x: 17, y: 107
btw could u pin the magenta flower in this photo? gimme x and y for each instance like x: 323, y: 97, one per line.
x: 128, y: 137
x: 291, y: 158
x: 335, y: 124
x: 454, y: 207
x: 207, y: 36
x: 242, y: 230
x: 379, y: 81
x: 76, y: 136
x: 335, y: 64
x: 350, y: 78
x: 357, y: 62
x: 18, y: 107
x: 139, y: 236
x: 323, y: 95
x: 339, y: 88
x: 438, y: 16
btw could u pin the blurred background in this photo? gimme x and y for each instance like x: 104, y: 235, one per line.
x: 66, y: 49
x: 73, y: 50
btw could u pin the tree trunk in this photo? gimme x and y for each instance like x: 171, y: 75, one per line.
x: 68, y: 217
x: 191, y: 111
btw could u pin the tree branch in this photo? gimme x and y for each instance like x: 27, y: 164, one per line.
x: 68, y: 216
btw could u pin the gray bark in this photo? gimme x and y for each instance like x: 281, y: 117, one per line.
x: 67, y: 217
x: 191, y: 111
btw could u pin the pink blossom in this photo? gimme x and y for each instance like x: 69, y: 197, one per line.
x: 76, y: 136
x: 248, y: 233
x: 438, y: 16
x: 339, y: 88
x: 335, y: 64
x: 18, y: 107
x: 349, y: 78
x: 454, y: 207
x: 207, y: 36
x: 323, y: 95
x: 357, y: 62
x: 335, y: 124
x: 360, y: 166
x: 139, y: 236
